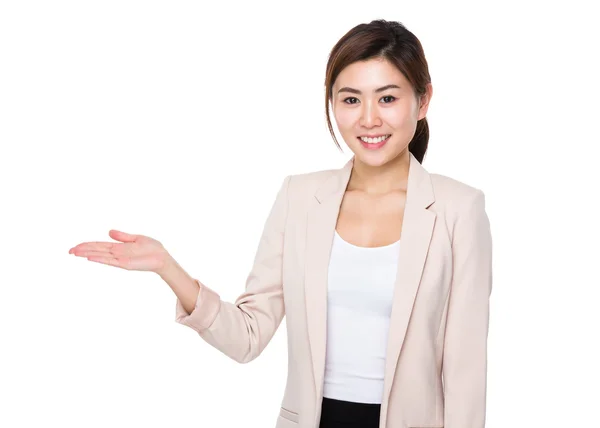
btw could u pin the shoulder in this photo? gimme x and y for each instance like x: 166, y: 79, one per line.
x: 450, y: 193
x: 306, y: 184
x: 449, y: 190
x: 459, y: 202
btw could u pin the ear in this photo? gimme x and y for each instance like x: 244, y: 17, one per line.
x: 424, y: 101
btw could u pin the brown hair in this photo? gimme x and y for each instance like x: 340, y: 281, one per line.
x: 391, y: 41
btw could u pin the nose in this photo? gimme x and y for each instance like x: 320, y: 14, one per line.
x: 370, y: 115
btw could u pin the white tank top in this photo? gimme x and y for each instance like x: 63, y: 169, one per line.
x: 359, y: 304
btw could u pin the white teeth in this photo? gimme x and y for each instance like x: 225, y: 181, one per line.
x: 374, y: 140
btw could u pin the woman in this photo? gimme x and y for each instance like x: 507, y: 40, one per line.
x: 383, y: 270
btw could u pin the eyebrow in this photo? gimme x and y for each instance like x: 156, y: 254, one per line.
x: 356, y: 91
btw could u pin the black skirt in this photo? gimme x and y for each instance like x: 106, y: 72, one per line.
x: 347, y: 414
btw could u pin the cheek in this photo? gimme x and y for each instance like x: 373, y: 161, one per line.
x: 345, y: 118
x: 397, y: 118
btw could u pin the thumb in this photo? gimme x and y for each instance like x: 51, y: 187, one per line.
x: 122, y: 236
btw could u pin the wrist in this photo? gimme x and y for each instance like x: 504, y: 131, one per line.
x: 168, y: 265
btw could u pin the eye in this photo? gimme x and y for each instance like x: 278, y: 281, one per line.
x: 390, y: 99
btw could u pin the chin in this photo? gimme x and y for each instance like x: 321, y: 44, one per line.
x: 373, y: 159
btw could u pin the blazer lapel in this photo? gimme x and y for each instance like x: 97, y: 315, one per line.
x: 417, y: 229
x: 321, y: 223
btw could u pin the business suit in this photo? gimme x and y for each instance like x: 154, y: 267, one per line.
x: 440, y: 311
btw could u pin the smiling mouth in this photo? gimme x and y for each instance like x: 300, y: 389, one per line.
x: 374, y: 143
x: 377, y: 140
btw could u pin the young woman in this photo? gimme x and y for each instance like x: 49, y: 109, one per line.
x: 383, y: 269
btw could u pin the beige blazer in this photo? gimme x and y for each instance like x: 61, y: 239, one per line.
x: 435, y: 372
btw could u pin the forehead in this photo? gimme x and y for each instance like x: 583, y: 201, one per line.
x: 370, y: 74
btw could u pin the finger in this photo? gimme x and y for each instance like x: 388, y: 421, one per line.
x: 112, y: 261
x: 94, y: 246
x: 122, y: 236
x: 94, y: 254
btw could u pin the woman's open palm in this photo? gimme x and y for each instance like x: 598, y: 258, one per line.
x: 133, y: 252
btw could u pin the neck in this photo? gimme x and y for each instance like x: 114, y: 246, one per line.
x: 377, y: 180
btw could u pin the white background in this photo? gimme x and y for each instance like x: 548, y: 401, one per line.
x: 178, y: 120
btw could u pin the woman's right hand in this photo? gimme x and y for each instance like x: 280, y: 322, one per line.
x: 133, y: 252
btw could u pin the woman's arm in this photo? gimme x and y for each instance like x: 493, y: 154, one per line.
x: 465, y: 346
x: 183, y: 285
x: 240, y: 330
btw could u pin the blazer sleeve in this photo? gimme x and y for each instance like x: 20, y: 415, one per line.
x: 465, y: 343
x: 242, y: 330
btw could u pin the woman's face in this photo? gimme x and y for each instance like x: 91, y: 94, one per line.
x: 373, y: 99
